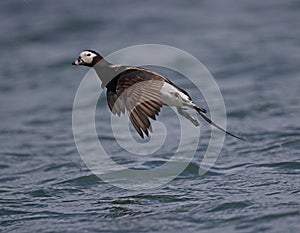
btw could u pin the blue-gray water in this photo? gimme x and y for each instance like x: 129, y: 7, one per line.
x: 252, y: 50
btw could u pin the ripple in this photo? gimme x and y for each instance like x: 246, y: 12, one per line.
x: 230, y: 206
x: 269, y: 217
x: 281, y: 165
x: 82, y: 180
x: 5, y: 212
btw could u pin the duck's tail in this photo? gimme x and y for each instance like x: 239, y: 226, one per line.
x: 202, y: 112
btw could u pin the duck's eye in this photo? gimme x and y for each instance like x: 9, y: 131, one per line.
x: 88, y: 55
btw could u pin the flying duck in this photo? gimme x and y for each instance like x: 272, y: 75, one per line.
x: 140, y: 92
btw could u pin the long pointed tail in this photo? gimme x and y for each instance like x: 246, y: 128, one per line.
x: 201, y: 113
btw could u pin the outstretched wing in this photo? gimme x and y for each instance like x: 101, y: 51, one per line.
x: 137, y: 91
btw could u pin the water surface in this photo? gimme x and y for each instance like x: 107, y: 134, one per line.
x: 252, y: 50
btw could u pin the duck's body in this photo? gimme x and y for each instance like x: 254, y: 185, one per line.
x: 140, y: 92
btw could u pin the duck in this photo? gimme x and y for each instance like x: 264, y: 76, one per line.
x: 141, y: 93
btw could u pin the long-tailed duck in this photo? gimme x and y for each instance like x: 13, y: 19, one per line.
x: 140, y: 92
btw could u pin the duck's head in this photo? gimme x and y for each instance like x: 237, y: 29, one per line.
x: 87, y: 58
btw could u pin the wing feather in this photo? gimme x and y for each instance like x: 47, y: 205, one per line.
x: 138, y: 91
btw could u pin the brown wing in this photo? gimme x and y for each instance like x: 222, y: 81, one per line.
x: 137, y: 90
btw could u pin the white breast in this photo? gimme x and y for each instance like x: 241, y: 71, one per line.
x: 173, y: 97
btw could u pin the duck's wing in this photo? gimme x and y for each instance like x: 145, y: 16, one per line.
x: 115, y: 105
x: 137, y: 91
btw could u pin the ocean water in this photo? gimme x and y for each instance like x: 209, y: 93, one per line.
x: 252, y: 49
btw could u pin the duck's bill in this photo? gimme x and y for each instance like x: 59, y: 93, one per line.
x: 76, y: 62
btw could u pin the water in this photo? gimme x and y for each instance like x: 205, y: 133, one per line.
x: 252, y: 50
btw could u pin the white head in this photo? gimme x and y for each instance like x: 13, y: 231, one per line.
x: 87, y: 58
